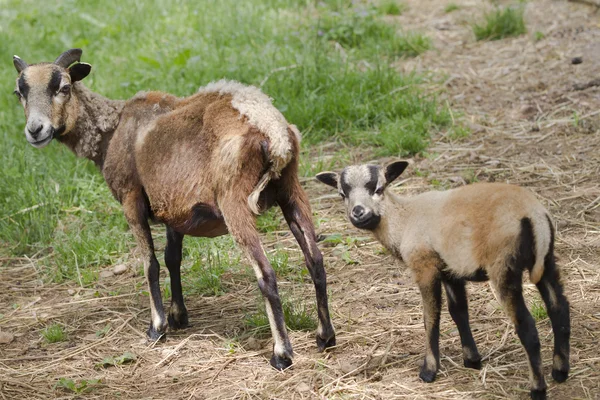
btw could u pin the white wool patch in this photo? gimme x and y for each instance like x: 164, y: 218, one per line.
x: 252, y: 103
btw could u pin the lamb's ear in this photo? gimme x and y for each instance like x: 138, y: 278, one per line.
x: 393, y: 171
x: 79, y: 71
x: 328, y: 178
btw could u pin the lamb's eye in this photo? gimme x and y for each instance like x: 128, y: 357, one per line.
x: 343, y: 196
x: 65, y: 89
x: 18, y: 94
x: 379, y: 191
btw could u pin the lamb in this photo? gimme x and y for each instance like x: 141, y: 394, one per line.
x: 201, y: 165
x: 473, y: 233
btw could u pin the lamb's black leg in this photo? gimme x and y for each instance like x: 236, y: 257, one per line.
x: 135, y: 208
x: 458, y: 306
x: 178, y: 316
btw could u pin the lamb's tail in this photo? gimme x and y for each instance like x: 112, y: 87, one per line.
x: 278, y: 155
x: 543, y: 231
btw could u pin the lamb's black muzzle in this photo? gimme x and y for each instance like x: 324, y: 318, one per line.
x: 364, y: 219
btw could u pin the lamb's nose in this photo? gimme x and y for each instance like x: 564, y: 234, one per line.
x: 358, y: 212
x: 35, y: 131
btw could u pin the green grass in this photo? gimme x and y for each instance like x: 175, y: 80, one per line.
x: 392, y: 7
x: 501, y: 23
x: 451, y: 7
x: 79, y: 387
x: 58, y: 208
x: 54, y: 333
x: 538, y: 311
x: 298, y: 317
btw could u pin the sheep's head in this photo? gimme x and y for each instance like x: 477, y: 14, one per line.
x: 44, y: 90
x: 362, y: 188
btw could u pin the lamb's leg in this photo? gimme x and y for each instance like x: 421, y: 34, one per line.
x: 242, y: 226
x: 178, y: 316
x: 551, y: 289
x: 136, y: 213
x: 458, y: 306
x: 511, y: 295
x: 296, y: 211
x: 431, y: 292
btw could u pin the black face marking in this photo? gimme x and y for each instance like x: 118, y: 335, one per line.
x: 54, y: 83
x: 372, y: 184
x: 23, y: 86
x: 368, y: 224
x: 345, y: 187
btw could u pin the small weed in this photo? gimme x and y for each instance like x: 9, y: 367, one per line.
x: 451, y: 7
x: 167, y: 288
x: 102, y: 332
x: 458, y: 132
x: 575, y: 119
x: 83, y: 386
x: 269, y: 221
x: 126, y: 358
x: 284, y: 269
x: 538, y: 311
x: 537, y: 36
x: 54, y: 333
x: 297, y: 318
x: 392, y: 7
x: 210, y: 260
x: 501, y: 23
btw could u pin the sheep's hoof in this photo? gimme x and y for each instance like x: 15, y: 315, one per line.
x: 475, y: 364
x: 180, y: 323
x: 560, y: 376
x: 538, y: 394
x: 155, y: 335
x: 323, y: 344
x: 280, y: 362
x: 427, y: 375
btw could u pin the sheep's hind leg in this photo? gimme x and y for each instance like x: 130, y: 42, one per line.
x: 458, y: 308
x: 178, y: 316
x: 511, y: 295
x: 136, y: 213
x: 242, y: 226
x: 296, y: 211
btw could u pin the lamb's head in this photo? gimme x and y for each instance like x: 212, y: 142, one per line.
x: 362, y: 188
x: 44, y: 90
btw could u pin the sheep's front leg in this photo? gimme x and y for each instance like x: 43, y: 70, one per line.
x: 458, y: 307
x: 178, y: 316
x: 431, y: 292
x: 136, y: 213
x: 242, y: 226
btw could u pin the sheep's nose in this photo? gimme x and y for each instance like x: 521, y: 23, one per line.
x: 358, y: 212
x: 35, y: 130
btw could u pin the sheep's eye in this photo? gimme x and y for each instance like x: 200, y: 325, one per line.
x: 18, y: 94
x: 343, y: 196
x: 379, y: 191
x: 65, y: 89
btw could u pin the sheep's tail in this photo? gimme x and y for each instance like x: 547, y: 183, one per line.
x: 543, y: 231
x: 279, y: 155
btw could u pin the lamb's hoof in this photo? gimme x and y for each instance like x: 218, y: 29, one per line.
x: 323, y: 344
x: 280, y: 362
x: 155, y: 335
x: 474, y: 364
x: 560, y: 376
x: 180, y: 323
x: 427, y: 375
x: 538, y: 394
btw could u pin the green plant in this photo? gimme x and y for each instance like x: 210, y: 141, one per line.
x: 537, y: 36
x: 210, y: 259
x: 501, y: 23
x: 392, y: 7
x: 297, y: 317
x: 451, y: 7
x: 269, y: 221
x: 125, y: 358
x: 83, y: 386
x: 54, y: 333
x: 538, y: 311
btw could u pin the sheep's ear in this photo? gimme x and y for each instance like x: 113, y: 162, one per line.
x: 79, y: 71
x: 20, y: 65
x: 394, y: 170
x: 328, y: 178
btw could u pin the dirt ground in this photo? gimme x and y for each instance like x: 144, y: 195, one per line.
x: 531, y: 126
